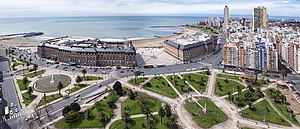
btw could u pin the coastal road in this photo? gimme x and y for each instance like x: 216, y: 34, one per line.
x: 8, y: 93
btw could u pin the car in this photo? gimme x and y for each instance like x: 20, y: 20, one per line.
x: 122, y: 72
x: 188, y: 70
x: 100, y: 85
x: 78, y: 66
x: 76, y: 99
x: 194, y: 69
x: 11, y: 112
x: 77, y: 95
x: 95, y: 70
x: 103, y: 72
x: 56, y: 66
x: 0, y: 100
x: 16, y: 110
x: 12, y: 105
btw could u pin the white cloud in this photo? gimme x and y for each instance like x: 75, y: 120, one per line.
x: 32, y: 8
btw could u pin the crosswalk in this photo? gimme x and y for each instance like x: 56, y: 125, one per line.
x: 3, y: 119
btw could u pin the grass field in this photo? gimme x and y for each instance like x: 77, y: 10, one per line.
x: 28, y: 99
x: 178, y: 83
x: 34, y: 74
x: 138, y: 81
x: 98, y: 108
x: 21, y: 85
x: 224, y: 87
x: 49, y: 99
x: 282, y: 108
x: 244, y: 99
x: 213, y: 117
x: 264, y: 110
x: 76, y: 88
x: 160, y: 85
x: 135, y: 107
x: 90, y: 78
x: 197, y: 81
x: 229, y: 76
x: 137, y: 123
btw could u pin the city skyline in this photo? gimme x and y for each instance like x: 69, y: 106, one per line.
x: 42, y: 8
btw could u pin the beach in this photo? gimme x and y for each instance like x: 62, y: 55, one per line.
x: 142, y: 43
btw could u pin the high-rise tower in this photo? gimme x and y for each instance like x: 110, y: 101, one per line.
x: 226, y: 18
x: 260, y: 18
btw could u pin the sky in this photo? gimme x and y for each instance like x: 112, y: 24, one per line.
x: 49, y: 8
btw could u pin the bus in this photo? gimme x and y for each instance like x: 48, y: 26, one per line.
x: 6, y: 112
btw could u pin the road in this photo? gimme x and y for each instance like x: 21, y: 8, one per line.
x: 8, y: 92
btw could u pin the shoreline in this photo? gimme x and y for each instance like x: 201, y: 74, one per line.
x: 137, y: 42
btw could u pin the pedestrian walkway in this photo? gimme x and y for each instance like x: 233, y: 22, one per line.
x: 3, y: 119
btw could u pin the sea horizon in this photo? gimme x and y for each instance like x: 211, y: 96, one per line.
x: 130, y: 27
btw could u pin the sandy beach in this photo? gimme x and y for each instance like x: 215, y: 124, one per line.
x: 157, y: 42
x: 152, y: 42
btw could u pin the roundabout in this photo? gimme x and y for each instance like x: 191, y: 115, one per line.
x: 50, y: 83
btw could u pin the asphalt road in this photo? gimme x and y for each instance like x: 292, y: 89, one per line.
x: 8, y: 92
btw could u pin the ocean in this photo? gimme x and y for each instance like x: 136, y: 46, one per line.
x: 130, y: 27
x: 97, y: 27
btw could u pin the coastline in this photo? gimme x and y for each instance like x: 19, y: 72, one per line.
x: 139, y: 43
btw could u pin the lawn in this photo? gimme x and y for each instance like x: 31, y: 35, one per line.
x: 178, y: 83
x: 138, y: 81
x: 135, y: 107
x: 97, y: 109
x: 90, y: 78
x: 161, y: 86
x: 282, y: 108
x: 23, y: 61
x: 15, y: 64
x: 245, y: 97
x: 229, y: 76
x: 49, y: 99
x: 213, y: 117
x: 261, y: 110
x: 34, y: 74
x: 21, y: 85
x: 197, y: 81
x: 139, y: 123
x: 224, y: 87
x: 28, y: 99
x: 257, y: 84
x: 76, y: 88
x: 22, y: 70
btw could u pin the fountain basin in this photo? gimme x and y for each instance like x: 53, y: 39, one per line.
x: 50, y: 83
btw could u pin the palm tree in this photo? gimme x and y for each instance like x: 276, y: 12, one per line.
x: 25, y: 81
x: 239, y: 89
x: 78, y: 80
x: 229, y: 94
x: 146, y: 111
x: 126, y: 119
x: 83, y: 72
x: 30, y: 59
x: 35, y: 66
x: 88, y: 114
x: 168, y: 110
x: 150, y: 124
x: 161, y: 113
x: 59, y: 86
x: 171, y: 123
x: 283, y: 72
x: 29, y: 90
x: 27, y: 64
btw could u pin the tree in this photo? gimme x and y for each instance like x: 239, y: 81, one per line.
x: 71, y: 117
x: 229, y: 94
x: 83, y: 72
x: 78, y: 80
x: 35, y: 66
x: 168, y: 110
x: 171, y: 123
x: 29, y: 90
x: 89, y: 114
x: 66, y: 110
x: 239, y: 89
x: 283, y: 73
x: 150, y: 123
x: 118, y: 88
x: 146, y: 111
x: 59, y: 86
x: 30, y: 59
x: 27, y: 65
x: 189, y: 77
x: 131, y: 94
x: 126, y: 119
x: 161, y: 113
x: 25, y: 81
x: 136, y: 74
x: 75, y: 107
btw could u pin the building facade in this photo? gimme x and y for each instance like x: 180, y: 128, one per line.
x: 226, y: 18
x: 90, y: 52
x: 260, y: 18
x: 190, y: 47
